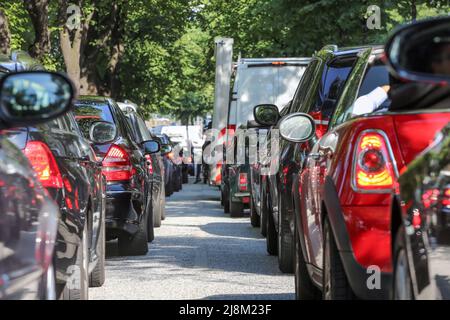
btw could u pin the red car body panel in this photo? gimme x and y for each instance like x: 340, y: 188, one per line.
x: 366, y: 215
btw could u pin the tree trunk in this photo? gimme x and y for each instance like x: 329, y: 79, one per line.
x: 72, y: 43
x: 116, y: 50
x: 38, y: 12
x: 5, y: 35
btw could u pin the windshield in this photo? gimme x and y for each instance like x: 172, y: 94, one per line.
x: 87, y: 113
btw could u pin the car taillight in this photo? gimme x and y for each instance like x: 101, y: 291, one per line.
x: 149, y: 163
x: 243, y: 182
x: 374, y: 169
x: 446, y: 197
x: 117, y: 165
x: 44, y: 164
x: 321, y: 123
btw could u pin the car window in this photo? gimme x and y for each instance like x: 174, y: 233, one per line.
x: 143, y: 130
x: 364, y: 80
x: 88, y: 112
x: 304, y: 87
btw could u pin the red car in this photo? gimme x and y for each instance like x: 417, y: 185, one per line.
x: 344, y: 198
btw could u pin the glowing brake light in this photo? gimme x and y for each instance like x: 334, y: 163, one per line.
x: 149, y: 161
x: 44, y: 164
x: 374, y: 169
x: 116, y: 165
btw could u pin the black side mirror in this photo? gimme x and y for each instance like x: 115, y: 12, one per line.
x: 34, y: 97
x: 421, y: 51
x: 151, y: 146
x: 266, y: 114
x: 102, y: 132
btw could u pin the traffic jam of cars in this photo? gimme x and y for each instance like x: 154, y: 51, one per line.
x: 346, y: 164
x: 345, y: 170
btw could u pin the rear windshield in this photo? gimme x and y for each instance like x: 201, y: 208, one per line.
x: 88, y: 112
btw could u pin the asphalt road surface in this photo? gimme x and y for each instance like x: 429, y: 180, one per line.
x: 198, y: 253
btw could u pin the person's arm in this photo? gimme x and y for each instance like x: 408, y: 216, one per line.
x: 371, y: 101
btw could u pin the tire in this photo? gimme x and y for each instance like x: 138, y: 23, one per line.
x: 156, y: 214
x: 226, y: 201
x: 285, y: 239
x: 97, y: 276
x: 185, y: 177
x: 263, y: 212
x: 402, y: 288
x: 304, y: 287
x: 163, y: 206
x: 271, y: 237
x: 236, y: 209
x: 335, y: 283
x: 254, y: 217
x: 168, y: 189
x: 78, y: 287
x: 150, y: 227
x: 137, y: 244
x: 221, y: 197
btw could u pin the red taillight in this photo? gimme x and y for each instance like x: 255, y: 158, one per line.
x: 117, y: 165
x: 148, y: 158
x: 243, y: 182
x: 44, y: 164
x: 446, y: 198
x: 321, y: 123
x: 374, y: 168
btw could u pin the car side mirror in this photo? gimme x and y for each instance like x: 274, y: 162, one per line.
x: 421, y: 51
x: 266, y: 114
x: 102, y: 132
x: 151, y: 146
x: 165, y: 149
x: 297, y: 127
x: 34, y: 97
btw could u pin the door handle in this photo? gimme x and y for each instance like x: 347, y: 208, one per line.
x: 316, y: 156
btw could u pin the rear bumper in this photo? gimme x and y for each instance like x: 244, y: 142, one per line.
x: 124, y: 210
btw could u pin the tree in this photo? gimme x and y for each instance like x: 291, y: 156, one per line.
x: 5, y: 35
x: 38, y: 12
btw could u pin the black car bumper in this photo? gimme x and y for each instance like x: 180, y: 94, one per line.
x: 124, y: 210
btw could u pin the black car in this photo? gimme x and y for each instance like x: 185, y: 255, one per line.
x: 316, y: 95
x: 67, y: 167
x: 28, y: 215
x: 154, y: 162
x: 170, y: 168
x: 129, y: 214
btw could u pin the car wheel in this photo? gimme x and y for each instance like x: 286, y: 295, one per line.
x: 254, y: 217
x: 77, y: 287
x: 335, y: 282
x: 156, y: 217
x: 97, y: 276
x: 163, y: 206
x: 236, y: 209
x: 137, y: 244
x: 150, y: 226
x: 226, y: 201
x: 168, y: 189
x: 271, y: 237
x: 304, y: 287
x: 402, y: 278
x: 185, y: 177
x: 263, y: 212
x: 221, y: 197
x: 285, y: 242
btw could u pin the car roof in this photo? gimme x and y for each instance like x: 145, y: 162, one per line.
x: 330, y: 52
x: 88, y: 98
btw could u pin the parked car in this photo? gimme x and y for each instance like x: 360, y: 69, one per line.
x: 169, y: 166
x: 154, y: 162
x: 277, y: 81
x: 345, y: 190
x: 68, y: 169
x: 28, y: 215
x: 129, y: 215
x: 316, y: 95
x: 420, y: 218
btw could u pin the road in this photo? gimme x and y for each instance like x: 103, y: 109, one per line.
x: 199, y: 253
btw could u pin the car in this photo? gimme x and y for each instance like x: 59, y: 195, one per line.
x: 28, y: 215
x: 420, y: 211
x: 154, y: 162
x: 67, y: 167
x: 277, y: 81
x: 316, y: 95
x: 169, y: 167
x: 129, y: 216
x: 344, y: 192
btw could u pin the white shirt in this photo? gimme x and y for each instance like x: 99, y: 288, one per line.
x: 369, y: 102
